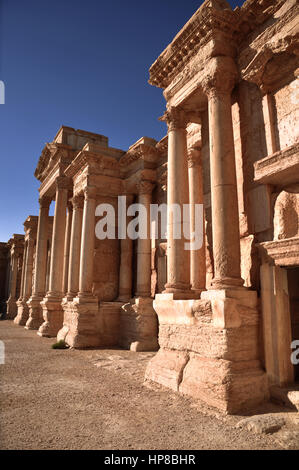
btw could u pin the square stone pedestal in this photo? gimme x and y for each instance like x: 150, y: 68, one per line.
x: 23, y: 313
x: 11, y: 309
x: 139, y: 325
x: 52, y: 315
x: 88, y: 323
x: 79, y: 323
x: 35, y: 318
x: 209, y: 349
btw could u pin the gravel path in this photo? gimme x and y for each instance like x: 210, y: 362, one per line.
x: 68, y: 399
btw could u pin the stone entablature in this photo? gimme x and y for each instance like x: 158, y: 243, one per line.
x: 280, y: 169
x: 281, y: 252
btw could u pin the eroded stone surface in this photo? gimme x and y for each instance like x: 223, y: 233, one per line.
x: 263, y: 424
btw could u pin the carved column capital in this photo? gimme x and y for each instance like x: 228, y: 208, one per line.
x: 90, y: 192
x: 77, y: 202
x: 221, y: 76
x: 62, y: 182
x: 175, y: 118
x: 45, y: 202
x: 194, y: 157
x: 145, y: 187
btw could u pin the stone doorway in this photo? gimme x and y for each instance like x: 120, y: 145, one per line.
x: 293, y: 288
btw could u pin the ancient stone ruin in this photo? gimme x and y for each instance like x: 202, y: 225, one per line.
x: 222, y: 318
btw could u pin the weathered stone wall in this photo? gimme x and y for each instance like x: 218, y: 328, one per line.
x: 287, y: 114
x: 106, y: 262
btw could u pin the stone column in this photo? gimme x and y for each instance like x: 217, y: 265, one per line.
x: 67, y: 247
x: 87, y: 244
x: 75, y: 244
x: 52, y: 310
x: 23, y: 271
x: 39, y: 282
x: 197, y: 257
x: 23, y: 311
x: 41, y: 249
x: 219, y: 82
x: 28, y: 268
x: 138, y: 321
x: 125, y: 270
x: 178, y: 259
x: 11, y: 302
x: 143, y: 286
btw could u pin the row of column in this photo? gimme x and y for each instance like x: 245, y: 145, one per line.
x: 71, y: 266
x: 218, y: 85
x: 73, y: 235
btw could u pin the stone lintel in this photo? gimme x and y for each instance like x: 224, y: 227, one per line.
x: 280, y: 169
x: 281, y: 252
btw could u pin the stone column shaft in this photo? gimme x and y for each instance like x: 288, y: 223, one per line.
x: 197, y: 257
x: 125, y: 270
x: 27, y: 287
x: 225, y: 214
x: 67, y: 248
x: 14, y: 274
x: 39, y: 283
x: 58, y: 238
x: 75, y: 244
x: 143, y: 286
x: 178, y: 259
x: 23, y: 271
x: 87, y: 243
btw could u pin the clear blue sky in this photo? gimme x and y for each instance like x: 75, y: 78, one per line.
x: 81, y: 63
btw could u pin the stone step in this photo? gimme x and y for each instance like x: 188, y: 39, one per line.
x: 288, y: 396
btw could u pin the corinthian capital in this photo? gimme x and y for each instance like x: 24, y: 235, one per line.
x: 145, y: 187
x: 62, y: 182
x: 77, y: 201
x: 90, y: 192
x: 44, y: 202
x: 221, y: 76
x: 175, y: 118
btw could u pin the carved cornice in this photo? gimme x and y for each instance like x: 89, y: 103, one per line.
x: 96, y: 163
x: 265, y: 69
x: 52, y: 154
x: 139, y: 152
x: 31, y: 223
x: 162, y: 146
x: 213, y: 16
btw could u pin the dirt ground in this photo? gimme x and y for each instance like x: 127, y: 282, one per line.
x: 69, y: 399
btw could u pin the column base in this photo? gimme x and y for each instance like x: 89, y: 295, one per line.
x: 227, y: 283
x: 12, y: 308
x: 79, y: 323
x: 180, y: 291
x: 35, y: 318
x: 52, y: 315
x: 139, y: 325
x: 209, y: 349
x: 23, y: 313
